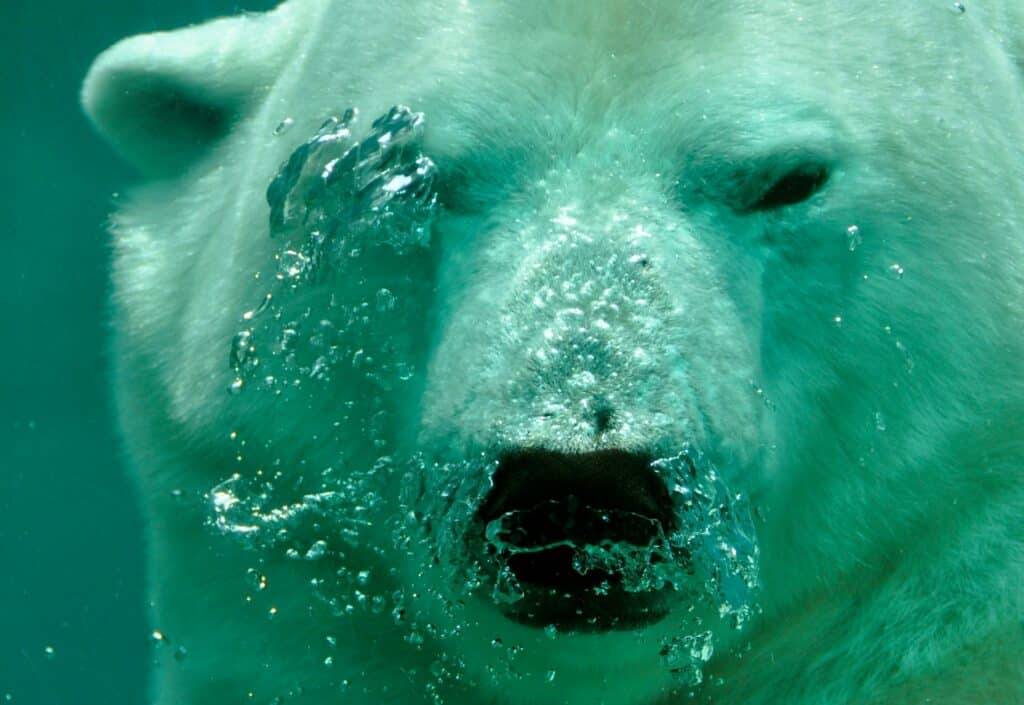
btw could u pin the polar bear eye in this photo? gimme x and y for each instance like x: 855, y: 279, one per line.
x: 456, y: 194
x: 796, y: 186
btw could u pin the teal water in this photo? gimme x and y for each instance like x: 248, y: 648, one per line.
x: 72, y: 615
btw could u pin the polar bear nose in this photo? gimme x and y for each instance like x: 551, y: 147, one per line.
x: 611, y: 480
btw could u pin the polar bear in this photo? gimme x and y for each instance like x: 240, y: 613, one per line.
x: 558, y: 353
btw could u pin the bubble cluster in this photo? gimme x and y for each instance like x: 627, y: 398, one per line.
x: 708, y: 560
x: 351, y: 213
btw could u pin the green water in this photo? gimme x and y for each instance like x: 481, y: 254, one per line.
x: 72, y: 615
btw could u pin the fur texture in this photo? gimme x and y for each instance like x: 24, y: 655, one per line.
x: 852, y: 361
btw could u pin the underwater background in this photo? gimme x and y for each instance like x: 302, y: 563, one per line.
x: 72, y: 615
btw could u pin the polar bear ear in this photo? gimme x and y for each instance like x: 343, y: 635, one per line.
x: 163, y: 99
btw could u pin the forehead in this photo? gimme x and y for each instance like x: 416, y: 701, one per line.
x: 577, y: 74
x: 537, y: 72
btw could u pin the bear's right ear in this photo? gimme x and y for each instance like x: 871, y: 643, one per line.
x: 163, y: 99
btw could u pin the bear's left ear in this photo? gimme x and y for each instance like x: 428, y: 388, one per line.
x: 163, y: 99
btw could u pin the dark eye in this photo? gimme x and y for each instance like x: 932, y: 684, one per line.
x: 796, y: 186
x: 456, y: 193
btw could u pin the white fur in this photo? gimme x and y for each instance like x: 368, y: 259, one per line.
x: 886, y: 462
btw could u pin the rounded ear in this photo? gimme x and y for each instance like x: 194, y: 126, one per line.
x: 163, y: 99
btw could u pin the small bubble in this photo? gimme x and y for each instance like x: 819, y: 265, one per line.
x: 241, y: 348
x: 256, y: 579
x: 838, y: 321
x: 853, y: 237
x: 896, y: 270
x: 959, y: 8
x: 49, y: 651
x: 329, y: 661
x: 251, y: 314
x: 551, y: 631
x: 316, y: 551
x: 908, y: 361
x: 385, y: 300
x: 283, y: 126
x: 236, y: 386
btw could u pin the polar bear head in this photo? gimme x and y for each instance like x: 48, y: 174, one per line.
x: 540, y: 351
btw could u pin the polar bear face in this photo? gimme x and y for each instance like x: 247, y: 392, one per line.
x: 483, y: 330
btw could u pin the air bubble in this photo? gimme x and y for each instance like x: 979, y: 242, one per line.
x: 853, y: 237
x: 686, y: 656
x: 283, y: 126
x: 316, y: 551
x: 241, y: 349
x: 385, y: 300
x: 292, y: 265
x: 908, y: 360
